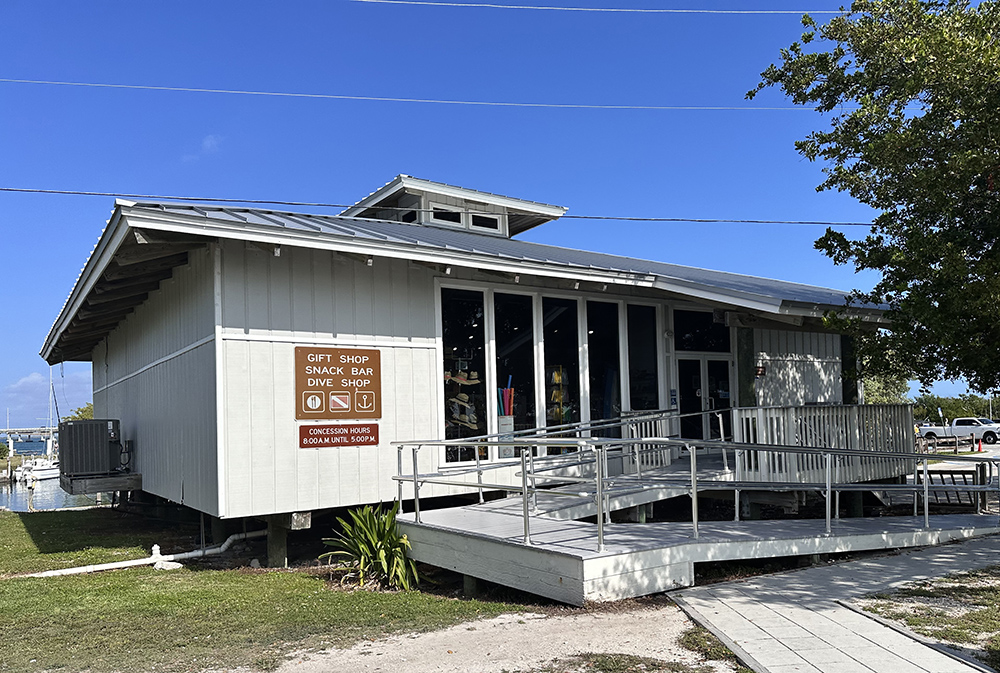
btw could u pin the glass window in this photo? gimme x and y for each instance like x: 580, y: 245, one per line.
x: 562, y: 361
x: 486, y: 222
x: 515, y: 359
x: 464, y: 338
x: 450, y: 216
x: 643, y: 380
x: 698, y: 331
x: 605, y: 362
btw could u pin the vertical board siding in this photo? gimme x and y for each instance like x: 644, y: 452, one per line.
x: 163, y: 394
x: 270, y: 305
x: 802, y: 368
x: 266, y: 472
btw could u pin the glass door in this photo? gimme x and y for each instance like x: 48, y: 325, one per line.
x: 703, y: 388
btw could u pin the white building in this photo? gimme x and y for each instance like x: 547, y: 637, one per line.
x: 262, y: 362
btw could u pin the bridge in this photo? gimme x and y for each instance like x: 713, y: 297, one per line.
x: 29, y: 432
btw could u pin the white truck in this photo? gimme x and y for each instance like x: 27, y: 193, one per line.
x: 979, y: 428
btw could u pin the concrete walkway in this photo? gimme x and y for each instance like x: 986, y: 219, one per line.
x: 792, y: 621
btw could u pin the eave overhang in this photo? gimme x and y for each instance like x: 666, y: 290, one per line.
x: 141, y: 246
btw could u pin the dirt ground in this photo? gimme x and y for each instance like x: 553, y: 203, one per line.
x: 516, y: 642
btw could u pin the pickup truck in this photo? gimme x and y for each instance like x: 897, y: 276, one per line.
x: 979, y: 428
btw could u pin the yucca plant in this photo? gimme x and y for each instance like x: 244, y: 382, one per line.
x: 371, y: 543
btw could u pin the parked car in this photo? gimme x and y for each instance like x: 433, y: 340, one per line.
x: 979, y: 428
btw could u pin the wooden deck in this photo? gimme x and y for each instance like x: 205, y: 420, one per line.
x: 563, y: 563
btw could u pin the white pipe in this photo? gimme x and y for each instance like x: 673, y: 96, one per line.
x: 152, y: 559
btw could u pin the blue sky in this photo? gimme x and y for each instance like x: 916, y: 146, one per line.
x: 698, y: 164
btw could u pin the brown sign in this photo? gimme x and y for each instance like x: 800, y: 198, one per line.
x: 322, y: 436
x: 332, y: 383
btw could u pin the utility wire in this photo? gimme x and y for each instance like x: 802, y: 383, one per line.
x: 617, y: 10
x: 393, y: 99
x: 315, y: 204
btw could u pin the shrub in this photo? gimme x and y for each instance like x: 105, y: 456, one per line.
x: 371, y: 543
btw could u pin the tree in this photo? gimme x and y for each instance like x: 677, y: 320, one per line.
x: 885, y: 389
x: 914, y: 91
x: 925, y: 407
x: 81, y: 413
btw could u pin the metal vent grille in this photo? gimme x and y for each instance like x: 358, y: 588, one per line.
x: 90, y: 447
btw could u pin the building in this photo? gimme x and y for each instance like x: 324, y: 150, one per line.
x: 262, y: 363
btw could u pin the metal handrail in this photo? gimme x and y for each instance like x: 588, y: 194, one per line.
x: 604, y: 486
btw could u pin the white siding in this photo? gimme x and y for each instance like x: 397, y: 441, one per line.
x: 272, y: 304
x: 802, y: 368
x: 156, y: 373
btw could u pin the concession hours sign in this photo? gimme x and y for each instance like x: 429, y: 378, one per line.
x: 312, y: 436
x: 337, y: 383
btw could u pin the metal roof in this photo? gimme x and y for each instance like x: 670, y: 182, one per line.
x: 144, y: 241
x: 459, y: 240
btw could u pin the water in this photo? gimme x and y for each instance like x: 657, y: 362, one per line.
x: 45, y: 495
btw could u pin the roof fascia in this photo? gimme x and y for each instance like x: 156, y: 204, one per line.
x: 873, y: 315
x: 383, y: 192
x: 405, y: 181
x: 322, y: 241
x: 484, y: 197
x: 719, y: 295
x: 103, y: 253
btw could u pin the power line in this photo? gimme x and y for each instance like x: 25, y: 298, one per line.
x: 316, y: 204
x: 617, y: 10
x: 393, y: 99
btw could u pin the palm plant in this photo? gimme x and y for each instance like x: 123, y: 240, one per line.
x: 372, y: 544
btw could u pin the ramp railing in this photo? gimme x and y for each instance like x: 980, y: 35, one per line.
x: 537, y: 474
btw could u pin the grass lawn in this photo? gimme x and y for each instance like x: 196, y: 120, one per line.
x: 38, y: 541
x: 962, y: 609
x: 188, y: 619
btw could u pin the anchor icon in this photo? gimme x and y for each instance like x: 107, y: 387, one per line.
x: 364, y: 400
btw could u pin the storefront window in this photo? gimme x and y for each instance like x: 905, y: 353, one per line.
x: 643, y: 381
x: 515, y: 339
x: 562, y: 361
x: 698, y: 331
x: 605, y: 362
x: 464, y: 338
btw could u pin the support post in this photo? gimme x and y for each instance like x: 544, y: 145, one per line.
x: 694, y: 491
x: 416, y: 486
x: 981, y: 496
x: 479, y: 476
x: 524, y: 498
x: 277, y: 544
x: 399, y: 473
x: 599, y: 470
x: 829, y: 499
x: 927, y: 498
x: 737, y: 454
x: 470, y: 586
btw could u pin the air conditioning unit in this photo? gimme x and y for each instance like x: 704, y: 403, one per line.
x: 89, y: 447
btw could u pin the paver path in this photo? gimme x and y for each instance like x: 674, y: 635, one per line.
x: 792, y: 622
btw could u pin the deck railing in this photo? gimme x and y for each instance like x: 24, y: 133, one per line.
x: 886, y: 428
x: 602, y: 488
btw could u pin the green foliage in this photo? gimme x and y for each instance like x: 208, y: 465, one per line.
x: 913, y: 92
x: 83, y: 413
x: 203, y: 619
x: 925, y: 407
x: 885, y: 389
x: 372, y: 544
x: 37, y: 541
